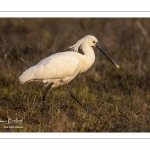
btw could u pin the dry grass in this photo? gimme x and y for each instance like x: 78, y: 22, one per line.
x: 121, y: 97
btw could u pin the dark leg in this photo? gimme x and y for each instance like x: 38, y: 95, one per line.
x: 74, y: 97
x: 46, y: 90
x: 45, y: 105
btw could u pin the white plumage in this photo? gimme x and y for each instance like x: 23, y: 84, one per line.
x: 61, y: 68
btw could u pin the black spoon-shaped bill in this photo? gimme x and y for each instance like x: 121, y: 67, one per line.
x: 100, y: 48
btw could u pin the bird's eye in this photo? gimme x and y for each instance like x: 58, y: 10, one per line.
x: 94, y: 42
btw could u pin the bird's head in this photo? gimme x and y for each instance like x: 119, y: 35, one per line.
x: 93, y: 42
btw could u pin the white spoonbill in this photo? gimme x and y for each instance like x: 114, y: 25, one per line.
x: 61, y: 68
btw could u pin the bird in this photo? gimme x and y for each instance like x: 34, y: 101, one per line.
x: 62, y: 67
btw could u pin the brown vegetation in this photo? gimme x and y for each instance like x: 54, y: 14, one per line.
x: 121, y: 97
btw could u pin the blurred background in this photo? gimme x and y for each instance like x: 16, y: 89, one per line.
x: 120, y: 96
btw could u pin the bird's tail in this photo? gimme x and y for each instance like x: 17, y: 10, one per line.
x: 27, y: 75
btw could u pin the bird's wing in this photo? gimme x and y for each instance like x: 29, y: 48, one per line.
x: 57, y: 66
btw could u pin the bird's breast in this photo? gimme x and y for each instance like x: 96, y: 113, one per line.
x: 86, y: 63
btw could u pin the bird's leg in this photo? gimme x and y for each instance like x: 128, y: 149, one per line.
x: 74, y: 97
x: 46, y: 90
x: 45, y: 106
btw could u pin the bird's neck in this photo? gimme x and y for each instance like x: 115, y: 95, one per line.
x: 88, y: 52
x: 89, y: 56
